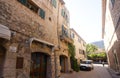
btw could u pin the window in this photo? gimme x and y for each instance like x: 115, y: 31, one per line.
x: 54, y: 3
x: 113, y: 2
x: 72, y: 35
x: 83, y: 52
x: 24, y: 2
x: 42, y: 13
x: 19, y: 63
x: 64, y: 31
x: 118, y: 22
x: 67, y: 20
x: 32, y: 6
x: 84, y: 44
x: 78, y: 39
x: 79, y: 51
x: 62, y: 12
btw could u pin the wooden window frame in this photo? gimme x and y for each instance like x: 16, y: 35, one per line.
x: 32, y: 6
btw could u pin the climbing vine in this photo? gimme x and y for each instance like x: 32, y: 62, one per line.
x: 74, y: 64
x: 71, y: 49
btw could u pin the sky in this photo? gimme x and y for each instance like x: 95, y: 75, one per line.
x: 85, y: 18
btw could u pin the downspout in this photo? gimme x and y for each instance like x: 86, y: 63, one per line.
x: 58, y: 46
x: 117, y: 62
x: 58, y: 26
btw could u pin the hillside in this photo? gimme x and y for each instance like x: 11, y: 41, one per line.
x: 99, y: 44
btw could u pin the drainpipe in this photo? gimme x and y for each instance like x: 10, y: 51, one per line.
x: 116, y: 62
x: 58, y: 26
x: 118, y: 65
x: 58, y: 42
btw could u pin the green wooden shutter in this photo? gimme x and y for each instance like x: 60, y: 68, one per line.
x: 24, y: 2
x: 54, y: 3
x: 42, y: 13
x: 62, y: 12
x: 63, y: 30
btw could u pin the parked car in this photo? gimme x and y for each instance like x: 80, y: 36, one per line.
x: 86, y: 65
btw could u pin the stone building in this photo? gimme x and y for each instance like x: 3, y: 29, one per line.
x: 33, y: 43
x: 111, y: 31
x: 63, y: 64
x: 80, y: 49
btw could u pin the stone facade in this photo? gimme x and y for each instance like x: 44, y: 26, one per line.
x: 80, y: 49
x: 32, y: 34
x: 62, y: 55
x: 110, y: 31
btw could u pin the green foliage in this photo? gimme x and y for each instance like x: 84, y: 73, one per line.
x: 71, y: 49
x: 92, y: 55
x: 74, y: 64
x: 91, y: 48
x: 101, y: 55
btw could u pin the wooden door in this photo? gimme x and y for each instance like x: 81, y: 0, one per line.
x: 63, y: 61
x: 2, y: 60
x: 38, y: 65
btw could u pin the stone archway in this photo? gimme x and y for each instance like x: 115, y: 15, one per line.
x: 2, y: 59
x: 63, y: 63
x: 44, y: 51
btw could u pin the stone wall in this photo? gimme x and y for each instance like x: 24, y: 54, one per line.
x: 63, y: 44
x: 112, y: 33
x: 24, y: 50
x: 25, y: 24
x: 22, y: 20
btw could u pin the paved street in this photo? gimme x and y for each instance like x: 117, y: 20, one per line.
x: 98, y: 72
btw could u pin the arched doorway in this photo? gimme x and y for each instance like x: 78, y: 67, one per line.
x: 63, y: 63
x: 2, y: 60
x: 38, y: 65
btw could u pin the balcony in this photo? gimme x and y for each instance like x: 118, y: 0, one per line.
x: 66, y: 37
x: 62, y: 1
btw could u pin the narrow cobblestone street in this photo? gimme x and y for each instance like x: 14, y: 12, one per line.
x: 98, y: 72
x: 56, y: 38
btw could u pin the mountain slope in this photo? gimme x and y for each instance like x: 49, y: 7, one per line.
x: 99, y: 44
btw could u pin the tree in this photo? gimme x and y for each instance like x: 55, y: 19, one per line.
x: 91, y: 53
x: 91, y: 48
x: 98, y: 56
x: 92, y: 56
x: 102, y: 55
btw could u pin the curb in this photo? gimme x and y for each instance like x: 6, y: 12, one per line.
x: 113, y: 73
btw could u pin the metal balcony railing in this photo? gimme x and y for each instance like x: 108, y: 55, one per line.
x: 66, y: 37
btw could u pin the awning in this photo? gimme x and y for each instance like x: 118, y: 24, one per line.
x: 41, y: 41
x: 5, y: 32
